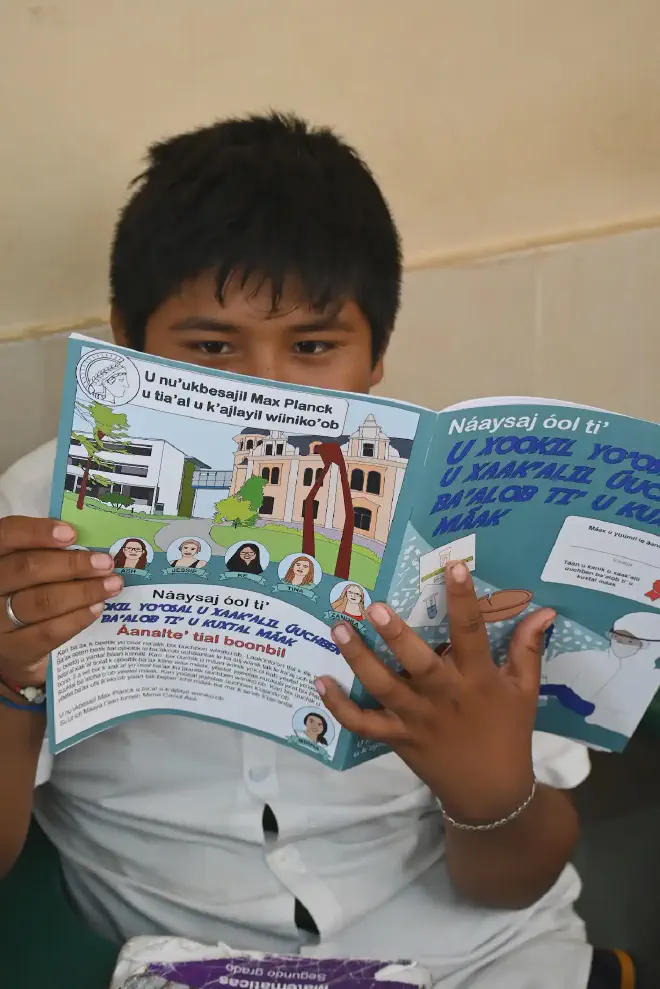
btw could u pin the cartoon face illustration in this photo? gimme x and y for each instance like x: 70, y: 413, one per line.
x: 246, y: 559
x: 117, y: 384
x: 611, y: 687
x: 107, y: 379
x: 133, y: 554
x: 625, y: 644
x: 189, y: 551
x: 636, y: 636
x: 350, y: 602
x: 190, y: 548
x: 300, y: 572
x: 316, y: 728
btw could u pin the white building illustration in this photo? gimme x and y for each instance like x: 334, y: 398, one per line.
x: 155, y: 474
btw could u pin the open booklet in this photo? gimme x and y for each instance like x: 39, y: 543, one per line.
x: 248, y: 517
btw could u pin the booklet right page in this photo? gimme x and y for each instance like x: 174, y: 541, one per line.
x: 550, y: 506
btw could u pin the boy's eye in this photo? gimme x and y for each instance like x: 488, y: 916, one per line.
x: 312, y: 347
x: 213, y: 346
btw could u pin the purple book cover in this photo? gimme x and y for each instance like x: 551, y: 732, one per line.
x: 271, y: 972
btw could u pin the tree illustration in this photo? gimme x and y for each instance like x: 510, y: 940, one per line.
x: 236, y: 510
x: 116, y: 499
x: 253, y: 491
x: 99, y: 479
x: 243, y: 507
x: 106, y: 427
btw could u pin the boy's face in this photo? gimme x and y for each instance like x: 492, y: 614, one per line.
x: 241, y: 335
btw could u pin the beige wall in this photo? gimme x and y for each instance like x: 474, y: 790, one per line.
x: 493, y: 125
x: 578, y: 322
x: 489, y: 122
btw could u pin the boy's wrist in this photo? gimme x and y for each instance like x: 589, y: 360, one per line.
x: 486, y: 805
x: 28, y: 697
x: 10, y: 694
x: 492, y: 823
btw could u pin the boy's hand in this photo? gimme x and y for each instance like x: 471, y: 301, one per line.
x: 462, y: 724
x: 53, y: 592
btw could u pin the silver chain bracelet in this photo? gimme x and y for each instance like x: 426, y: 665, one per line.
x: 493, y: 825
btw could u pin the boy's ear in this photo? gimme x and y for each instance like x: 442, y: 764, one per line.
x: 118, y: 328
x: 377, y: 372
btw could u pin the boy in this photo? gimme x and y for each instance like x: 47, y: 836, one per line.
x: 265, y: 247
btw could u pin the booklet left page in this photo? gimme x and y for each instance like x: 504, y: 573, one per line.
x: 245, y: 517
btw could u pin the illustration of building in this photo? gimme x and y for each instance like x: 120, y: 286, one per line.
x: 209, y: 487
x: 375, y: 463
x: 155, y: 474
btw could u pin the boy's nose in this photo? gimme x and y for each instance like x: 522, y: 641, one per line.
x: 264, y: 361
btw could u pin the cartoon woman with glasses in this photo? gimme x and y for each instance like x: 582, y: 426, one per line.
x: 246, y: 559
x: 350, y: 602
x: 133, y: 554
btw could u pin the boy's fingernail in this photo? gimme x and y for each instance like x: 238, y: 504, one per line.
x: 320, y: 687
x: 342, y: 634
x: 113, y: 584
x: 96, y: 609
x: 63, y: 533
x: 459, y: 572
x: 379, y: 614
x: 101, y: 561
x: 547, y: 623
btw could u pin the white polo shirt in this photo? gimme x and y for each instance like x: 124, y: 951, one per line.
x: 160, y: 823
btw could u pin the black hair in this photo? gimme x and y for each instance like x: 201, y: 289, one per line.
x: 321, y: 740
x: 268, y: 196
x: 237, y: 565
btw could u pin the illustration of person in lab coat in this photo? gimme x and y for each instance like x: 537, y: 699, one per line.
x: 610, y: 687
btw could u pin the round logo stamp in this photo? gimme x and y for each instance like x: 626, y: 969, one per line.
x: 108, y: 377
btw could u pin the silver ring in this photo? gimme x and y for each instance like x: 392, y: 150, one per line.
x: 11, y: 615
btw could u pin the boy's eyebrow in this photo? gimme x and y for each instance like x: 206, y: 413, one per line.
x: 331, y: 322
x: 213, y: 325
x: 204, y: 323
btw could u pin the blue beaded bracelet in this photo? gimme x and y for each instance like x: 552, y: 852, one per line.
x: 34, y: 708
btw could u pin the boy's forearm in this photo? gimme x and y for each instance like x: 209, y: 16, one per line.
x: 21, y: 736
x: 513, y: 866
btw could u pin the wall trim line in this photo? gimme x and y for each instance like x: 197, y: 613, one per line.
x: 422, y: 261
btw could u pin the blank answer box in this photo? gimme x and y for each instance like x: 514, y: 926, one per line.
x: 613, y: 559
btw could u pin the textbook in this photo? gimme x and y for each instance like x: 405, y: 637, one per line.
x: 248, y: 517
x: 176, y: 963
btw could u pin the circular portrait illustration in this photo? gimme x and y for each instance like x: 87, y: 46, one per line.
x: 247, y: 557
x: 189, y: 553
x: 131, y: 554
x: 350, y: 599
x: 108, y: 377
x: 314, y: 726
x: 300, y: 570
